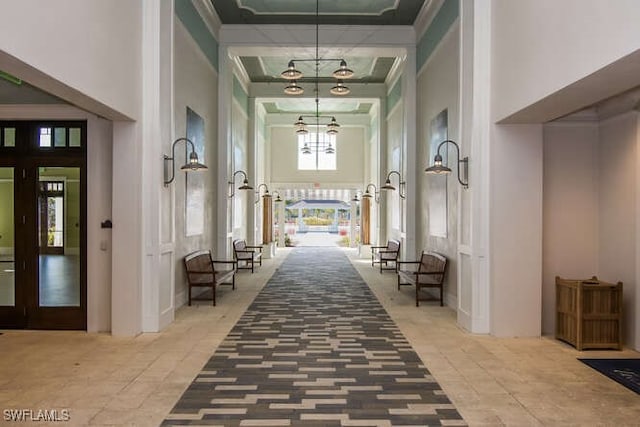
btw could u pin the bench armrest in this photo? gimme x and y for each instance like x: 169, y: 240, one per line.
x: 254, y: 247
x: 216, y: 261
x: 429, y: 272
x: 378, y: 247
x: 199, y: 272
x: 387, y: 252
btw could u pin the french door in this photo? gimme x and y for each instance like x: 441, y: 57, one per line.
x: 43, y: 225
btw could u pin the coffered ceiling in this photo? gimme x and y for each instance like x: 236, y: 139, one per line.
x: 267, y: 64
x: 331, y: 12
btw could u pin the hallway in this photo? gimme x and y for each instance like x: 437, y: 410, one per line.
x: 315, y: 348
x: 105, y: 381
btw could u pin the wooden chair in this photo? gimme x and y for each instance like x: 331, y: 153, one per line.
x: 430, y: 273
x: 384, y: 255
x: 247, y: 254
x: 201, y: 272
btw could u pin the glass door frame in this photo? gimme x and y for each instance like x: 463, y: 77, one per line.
x: 26, y: 158
x: 15, y: 316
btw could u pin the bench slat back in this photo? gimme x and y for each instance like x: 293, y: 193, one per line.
x: 432, y: 261
x: 239, y: 245
x: 393, y: 245
x: 199, y: 261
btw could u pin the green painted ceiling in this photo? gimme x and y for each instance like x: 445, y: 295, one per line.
x: 327, y: 106
x: 330, y: 12
x: 366, y: 69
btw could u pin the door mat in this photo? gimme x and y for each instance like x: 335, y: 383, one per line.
x: 624, y: 371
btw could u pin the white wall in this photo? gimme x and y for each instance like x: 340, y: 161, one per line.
x: 99, y: 172
x: 99, y: 244
x: 438, y: 90
x: 242, y: 159
x: 516, y: 225
x: 196, y: 87
x: 394, y: 226
x: 618, y: 242
x: 350, y: 159
x: 542, y: 46
x: 571, y: 209
x: 84, y: 51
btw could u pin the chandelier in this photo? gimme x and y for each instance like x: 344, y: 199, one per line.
x: 293, y: 75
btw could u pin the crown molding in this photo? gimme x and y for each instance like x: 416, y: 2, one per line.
x: 209, y: 16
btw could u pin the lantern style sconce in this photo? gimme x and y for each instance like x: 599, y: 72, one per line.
x: 267, y: 194
x: 258, y: 192
x: 439, y: 168
x: 376, y: 193
x: 170, y: 165
x: 387, y: 185
x: 245, y: 183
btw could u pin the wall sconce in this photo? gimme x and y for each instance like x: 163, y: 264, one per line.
x: 266, y: 192
x: 192, y: 165
x: 355, y: 198
x: 387, y: 185
x: 376, y: 193
x: 438, y: 168
x: 245, y: 183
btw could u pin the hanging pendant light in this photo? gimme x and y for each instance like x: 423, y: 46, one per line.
x: 293, y: 89
x: 332, y: 127
x: 340, y: 89
x: 343, y: 72
x: 301, y: 126
x: 306, y: 149
x: 330, y: 149
x: 291, y: 73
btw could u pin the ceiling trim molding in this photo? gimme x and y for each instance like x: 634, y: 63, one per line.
x: 453, y: 30
x: 448, y: 14
x: 288, y: 37
x: 241, y: 73
x: 395, y: 72
x: 254, y: 11
x: 425, y: 17
x: 209, y: 16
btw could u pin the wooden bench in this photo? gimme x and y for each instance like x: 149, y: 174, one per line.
x: 384, y: 255
x: 247, y: 254
x: 429, y: 273
x: 201, y: 272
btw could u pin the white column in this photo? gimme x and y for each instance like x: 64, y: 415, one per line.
x: 127, y: 235
x: 410, y: 173
x: 281, y: 223
x: 516, y: 230
x: 354, y: 220
x: 137, y: 283
x: 157, y: 101
x: 225, y: 87
x: 473, y: 251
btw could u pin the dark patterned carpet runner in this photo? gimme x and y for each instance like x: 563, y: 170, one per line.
x: 315, y: 348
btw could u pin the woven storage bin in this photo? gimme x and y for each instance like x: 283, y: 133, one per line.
x: 589, y: 313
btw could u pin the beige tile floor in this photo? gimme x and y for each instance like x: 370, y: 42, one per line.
x: 102, y: 380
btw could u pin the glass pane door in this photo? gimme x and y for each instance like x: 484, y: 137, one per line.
x: 59, y: 236
x: 7, y: 239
